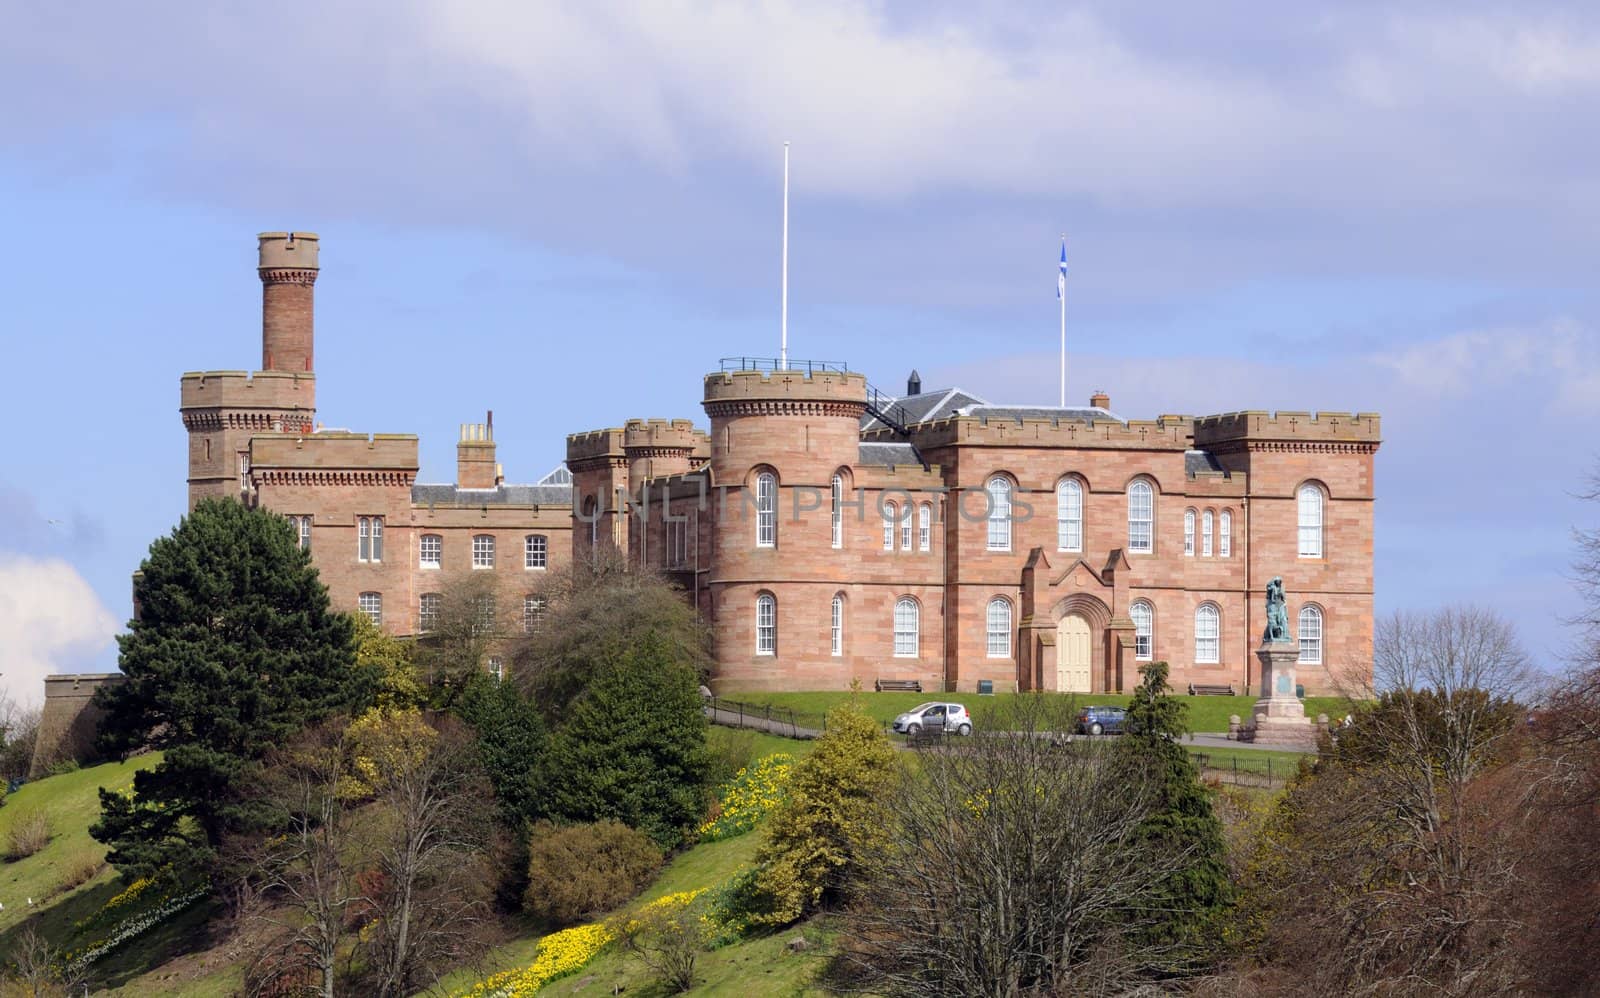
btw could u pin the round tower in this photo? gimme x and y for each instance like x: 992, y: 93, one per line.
x: 657, y: 448
x: 288, y: 269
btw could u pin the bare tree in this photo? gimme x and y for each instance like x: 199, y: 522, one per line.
x: 1014, y: 867
x: 469, y: 624
x: 38, y: 970
x: 19, y: 730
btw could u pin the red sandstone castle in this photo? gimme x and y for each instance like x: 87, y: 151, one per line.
x: 827, y: 532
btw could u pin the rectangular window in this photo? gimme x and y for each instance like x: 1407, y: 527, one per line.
x: 482, y: 550
x: 677, y: 543
x: 369, y: 534
x: 925, y: 527
x: 1188, y: 533
x: 1205, y: 535
x: 427, y: 612
x: 1141, y: 646
x: 1225, y: 535
x: 532, y: 613
x: 533, y: 555
x: 302, y: 531
x: 484, y: 622
x: 430, y: 551
x: 905, y: 528
x: 372, y: 605
x: 497, y: 668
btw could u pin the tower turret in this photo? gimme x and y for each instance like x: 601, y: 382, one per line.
x: 288, y: 269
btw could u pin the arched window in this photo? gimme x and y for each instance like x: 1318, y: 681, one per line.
x: 1188, y: 532
x: 836, y: 623
x: 1143, y: 630
x: 925, y: 527
x: 535, y: 550
x: 905, y: 528
x: 1225, y: 535
x: 766, y: 624
x: 1310, y: 635
x: 1141, y: 517
x: 1207, y: 634
x: 891, y: 513
x: 907, y: 628
x: 999, y: 628
x: 427, y: 612
x: 1310, y: 521
x: 1069, y: 515
x: 836, y: 511
x: 1207, y: 523
x: 766, y: 510
x: 999, y: 513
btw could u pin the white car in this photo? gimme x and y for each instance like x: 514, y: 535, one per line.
x: 947, y: 717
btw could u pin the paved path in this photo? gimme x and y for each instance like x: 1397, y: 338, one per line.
x: 748, y: 719
x: 1210, y: 739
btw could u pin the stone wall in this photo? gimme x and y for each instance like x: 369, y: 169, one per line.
x: 69, y: 721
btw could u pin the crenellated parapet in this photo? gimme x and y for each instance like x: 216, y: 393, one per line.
x: 1304, y: 432
x: 262, y: 401
x: 785, y: 393
x: 595, y: 449
x: 662, y: 435
x: 1164, y: 433
x: 335, y: 458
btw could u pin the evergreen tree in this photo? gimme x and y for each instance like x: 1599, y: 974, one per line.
x: 1183, y: 822
x: 511, y: 741
x: 633, y: 747
x: 233, y: 652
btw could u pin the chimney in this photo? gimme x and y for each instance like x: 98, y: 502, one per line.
x: 287, y: 265
x: 1100, y: 400
x: 914, y: 384
x: 475, y: 464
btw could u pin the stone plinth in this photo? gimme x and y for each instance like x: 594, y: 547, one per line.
x: 1279, y: 717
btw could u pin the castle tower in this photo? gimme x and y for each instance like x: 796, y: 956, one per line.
x: 600, y: 489
x: 222, y: 410
x: 656, y: 448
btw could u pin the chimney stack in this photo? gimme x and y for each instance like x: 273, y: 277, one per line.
x: 914, y: 384
x: 475, y: 464
x: 1100, y: 400
x: 288, y: 269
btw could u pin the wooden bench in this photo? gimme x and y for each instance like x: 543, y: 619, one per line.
x: 898, y: 685
x: 1210, y: 690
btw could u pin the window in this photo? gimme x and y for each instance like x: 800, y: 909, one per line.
x: 1143, y: 630
x: 999, y: 619
x: 483, y: 618
x: 677, y: 543
x: 427, y: 612
x: 905, y: 528
x: 1188, y: 532
x: 532, y: 613
x: 1310, y: 521
x: 999, y: 514
x: 925, y: 527
x: 836, y: 617
x: 907, y: 628
x: 497, y: 668
x: 482, y: 550
x: 1207, y: 628
x: 766, y: 624
x: 372, y: 605
x: 369, y: 534
x: 1069, y: 515
x: 766, y: 510
x: 1225, y: 535
x: 430, y: 550
x: 302, y: 531
x: 534, y: 549
x: 1141, y: 516
x: 1310, y: 635
x: 836, y: 511
x: 891, y: 513
x: 1207, y: 522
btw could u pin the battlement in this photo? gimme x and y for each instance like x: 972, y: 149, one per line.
x: 247, y: 390
x: 1253, y: 425
x: 785, y: 386
x: 661, y: 434
x: 1164, y: 433
x: 335, y: 451
x: 594, y: 444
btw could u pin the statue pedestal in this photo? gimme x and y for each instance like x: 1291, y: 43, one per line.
x: 1279, y: 716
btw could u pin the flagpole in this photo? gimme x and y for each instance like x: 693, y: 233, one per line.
x: 783, y: 354
x: 1063, y: 297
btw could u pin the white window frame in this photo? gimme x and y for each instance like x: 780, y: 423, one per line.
x: 497, y: 668
x: 1310, y: 634
x: 766, y: 510
x: 430, y: 544
x: 925, y: 527
x: 1207, y: 634
x: 428, y: 612
x: 371, y: 604
x: 532, y: 613
x: 302, y: 531
x: 1208, y: 521
x: 836, y: 511
x: 999, y: 489
x: 997, y: 620
x: 482, y: 551
x: 836, y: 624
x: 484, y: 612
x: 766, y: 624
x: 1225, y: 534
x: 905, y: 528
x: 369, y: 543
x: 891, y: 515
x: 1069, y: 515
x: 1141, y: 517
x: 1144, y: 620
x: 1188, y: 533
x: 1310, y: 502
x: 907, y: 628
x: 535, y: 552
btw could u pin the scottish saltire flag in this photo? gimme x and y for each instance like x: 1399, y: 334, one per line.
x: 1061, y: 278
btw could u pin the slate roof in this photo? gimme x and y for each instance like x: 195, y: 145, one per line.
x: 887, y: 454
x: 1200, y: 462
x: 934, y: 404
x: 554, y: 489
x: 1082, y: 414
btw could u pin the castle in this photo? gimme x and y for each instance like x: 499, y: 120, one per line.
x: 828, y: 532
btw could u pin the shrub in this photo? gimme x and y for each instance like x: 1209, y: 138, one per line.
x: 732, y: 749
x: 667, y: 936
x: 61, y: 767
x: 82, y: 868
x: 582, y: 870
x: 29, y: 833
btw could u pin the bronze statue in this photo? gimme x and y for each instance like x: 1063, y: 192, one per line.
x: 1277, y: 615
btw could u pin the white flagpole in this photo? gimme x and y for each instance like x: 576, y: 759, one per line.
x: 783, y: 354
x: 1063, y: 336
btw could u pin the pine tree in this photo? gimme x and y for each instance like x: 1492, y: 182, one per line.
x: 511, y: 742
x: 234, y: 651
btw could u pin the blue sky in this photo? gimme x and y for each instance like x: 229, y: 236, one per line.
x: 567, y: 213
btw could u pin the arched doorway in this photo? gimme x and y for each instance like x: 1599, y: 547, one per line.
x: 1072, y: 655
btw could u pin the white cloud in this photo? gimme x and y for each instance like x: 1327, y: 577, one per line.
x: 50, y: 620
x: 1554, y: 366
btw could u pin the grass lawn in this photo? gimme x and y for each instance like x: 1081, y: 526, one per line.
x: 1265, y: 762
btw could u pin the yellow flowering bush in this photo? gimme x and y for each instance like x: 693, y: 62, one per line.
x: 749, y: 797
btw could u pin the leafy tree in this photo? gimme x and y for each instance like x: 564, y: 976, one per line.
x: 633, y: 747
x: 511, y: 743
x: 234, y: 650
x: 389, y: 660
x: 1182, y: 820
x: 835, y: 813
